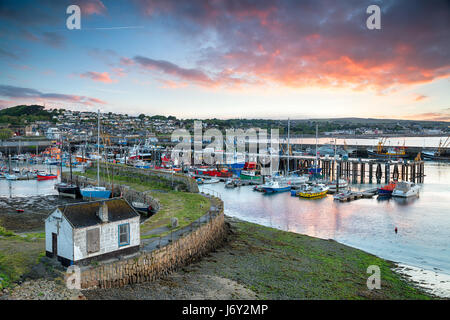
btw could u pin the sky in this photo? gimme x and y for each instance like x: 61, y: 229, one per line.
x: 229, y: 59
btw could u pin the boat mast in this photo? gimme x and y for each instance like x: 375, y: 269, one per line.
x: 98, y: 149
x: 288, y: 145
x: 60, y: 157
x: 316, y: 147
x: 70, y: 163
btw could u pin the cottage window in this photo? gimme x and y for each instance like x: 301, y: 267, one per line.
x: 124, y: 234
x: 93, y: 240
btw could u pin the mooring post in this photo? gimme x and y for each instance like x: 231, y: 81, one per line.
x: 387, y: 172
x: 363, y: 172
x: 332, y: 170
x: 379, y: 173
x: 370, y: 172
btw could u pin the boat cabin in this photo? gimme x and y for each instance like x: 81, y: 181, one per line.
x: 83, y: 232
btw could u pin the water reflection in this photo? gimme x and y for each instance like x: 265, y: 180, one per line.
x: 423, y: 222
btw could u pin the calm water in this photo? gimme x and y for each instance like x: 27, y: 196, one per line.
x: 25, y: 188
x: 423, y: 223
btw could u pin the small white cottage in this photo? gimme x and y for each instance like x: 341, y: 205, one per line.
x: 82, y: 232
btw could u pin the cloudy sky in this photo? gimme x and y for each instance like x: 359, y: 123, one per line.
x: 229, y: 59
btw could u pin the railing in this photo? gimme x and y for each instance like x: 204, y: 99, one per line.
x: 210, y: 192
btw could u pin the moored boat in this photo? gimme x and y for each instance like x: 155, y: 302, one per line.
x: 314, y: 191
x: 387, y: 189
x: 406, y: 189
x: 95, y: 193
x: 46, y: 176
x: 275, y: 186
x: 68, y: 190
x: 333, y: 185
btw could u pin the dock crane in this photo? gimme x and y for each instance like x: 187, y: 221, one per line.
x: 381, y: 144
x: 442, y: 146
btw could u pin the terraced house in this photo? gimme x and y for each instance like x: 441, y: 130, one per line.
x: 82, y: 232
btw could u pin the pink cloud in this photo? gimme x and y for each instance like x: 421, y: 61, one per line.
x: 90, y: 7
x: 97, y: 76
x: 420, y: 97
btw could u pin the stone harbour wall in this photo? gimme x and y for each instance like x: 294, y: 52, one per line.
x: 119, y: 190
x: 181, y: 182
x: 148, y: 266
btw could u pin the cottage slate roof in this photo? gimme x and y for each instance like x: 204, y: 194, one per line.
x: 81, y: 215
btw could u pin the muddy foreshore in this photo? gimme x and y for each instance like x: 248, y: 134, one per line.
x: 35, y: 211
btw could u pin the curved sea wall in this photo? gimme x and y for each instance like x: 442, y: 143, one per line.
x: 198, y: 239
x: 180, y: 182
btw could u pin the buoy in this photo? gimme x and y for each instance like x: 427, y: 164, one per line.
x: 396, y: 230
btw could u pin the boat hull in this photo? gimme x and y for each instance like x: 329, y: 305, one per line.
x: 49, y: 177
x: 408, y: 194
x: 275, y: 190
x: 95, y: 194
x: 70, y: 192
x: 312, y: 194
x: 244, y: 176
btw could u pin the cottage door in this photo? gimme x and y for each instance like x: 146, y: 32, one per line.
x: 54, y: 244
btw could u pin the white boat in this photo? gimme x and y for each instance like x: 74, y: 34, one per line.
x: 406, y: 189
x: 209, y: 181
x: 294, y: 180
x: 10, y: 176
x: 343, y: 184
x: 342, y: 195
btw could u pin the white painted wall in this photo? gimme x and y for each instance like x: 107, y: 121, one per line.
x: 109, y: 238
x: 65, y: 242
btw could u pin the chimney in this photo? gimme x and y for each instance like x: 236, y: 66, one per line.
x: 103, y: 212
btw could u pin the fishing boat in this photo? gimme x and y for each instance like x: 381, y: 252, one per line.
x: 46, y: 176
x: 249, y: 175
x: 210, y: 181
x: 275, y: 186
x: 387, y: 189
x: 143, y: 208
x: 68, y: 190
x: 232, y: 183
x: 406, y: 189
x: 391, y: 153
x: 313, y: 191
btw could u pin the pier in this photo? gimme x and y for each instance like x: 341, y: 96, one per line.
x: 358, y: 170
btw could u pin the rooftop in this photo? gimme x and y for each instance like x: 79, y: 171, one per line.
x: 81, y: 215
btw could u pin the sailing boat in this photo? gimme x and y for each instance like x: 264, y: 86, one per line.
x: 96, y: 192
x: 68, y: 189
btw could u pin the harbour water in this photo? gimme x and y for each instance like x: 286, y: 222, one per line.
x: 423, y: 223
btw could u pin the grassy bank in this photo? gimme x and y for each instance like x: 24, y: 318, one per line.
x: 18, y: 254
x: 283, y: 265
x: 264, y: 263
x: 185, y: 206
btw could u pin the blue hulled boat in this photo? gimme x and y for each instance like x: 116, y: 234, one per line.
x: 95, y: 193
x: 275, y: 186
